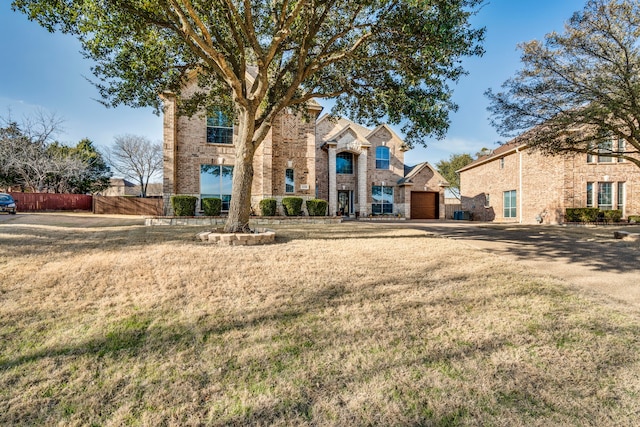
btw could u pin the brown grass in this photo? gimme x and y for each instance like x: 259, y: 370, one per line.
x: 352, y: 324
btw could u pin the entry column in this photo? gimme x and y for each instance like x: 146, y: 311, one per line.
x: 362, y: 182
x: 333, y: 192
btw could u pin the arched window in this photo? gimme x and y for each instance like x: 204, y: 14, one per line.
x: 382, y: 157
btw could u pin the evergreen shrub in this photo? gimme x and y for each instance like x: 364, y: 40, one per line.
x: 184, y: 205
x: 292, y: 206
x: 268, y: 207
x: 317, y: 207
x: 614, y: 215
x: 212, y: 206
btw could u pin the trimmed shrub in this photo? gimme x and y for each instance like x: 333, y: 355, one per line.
x: 581, y: 214
x: 572, y: 215
x: 614, y: 215
x: 317, y: 207
x: 268, y: 207
x: 634, y: 218
x: 184, y: 205
x: 292, y: 206
x: 212, y: 206
x: 589, y: 214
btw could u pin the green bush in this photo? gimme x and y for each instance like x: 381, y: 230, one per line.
x: 292, y: 206
x: 317, y: 207
x: 184, y: 205
x: 572, y: 215
x: 268, y: 207
x: 589, y: 214
x: 614, y: 215
x: 634, y: 218
x: 581, y: 214
x: 212, y: 206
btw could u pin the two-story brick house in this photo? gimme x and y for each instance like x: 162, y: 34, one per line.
x: 359, y: 171
x: 517, y: 184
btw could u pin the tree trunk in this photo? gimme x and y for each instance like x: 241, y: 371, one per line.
x: 240, y: 208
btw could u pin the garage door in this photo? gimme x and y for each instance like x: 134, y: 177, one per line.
x: 424, y: 205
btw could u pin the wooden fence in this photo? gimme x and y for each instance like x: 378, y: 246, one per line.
x: 121, y: 205
x: 35, y: 202
x: 450, y: 208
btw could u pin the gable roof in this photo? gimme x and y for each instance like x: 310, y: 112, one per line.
x: 412, y: 171
x: 341, y: 125
x: 394, y: 135
x: 502, y: 151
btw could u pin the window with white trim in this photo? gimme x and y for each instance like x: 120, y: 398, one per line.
x: 605, y: 195
x: 620, y: 196
x: 622, y: 146
x: 605, y: 147
x: 509, y: 206
x: 589, y: 194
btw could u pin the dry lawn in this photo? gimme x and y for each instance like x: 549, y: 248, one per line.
x: 351, y: 324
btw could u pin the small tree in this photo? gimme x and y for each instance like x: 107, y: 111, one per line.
x: 579, y: 91
x: 137, y: 158
x: 448, y: 168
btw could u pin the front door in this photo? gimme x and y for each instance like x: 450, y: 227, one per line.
x: 343, y: 203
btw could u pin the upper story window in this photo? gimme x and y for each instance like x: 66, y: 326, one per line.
x: 622, y: 146
x: 605, y: 148
x: 501, y: 162
x: 383, y: 157
x: 219, y: 128
x: 289, y: 183
x: 344, y: 163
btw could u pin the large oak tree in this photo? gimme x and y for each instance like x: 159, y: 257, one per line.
x: 391, y: 60
x: 579, y: 91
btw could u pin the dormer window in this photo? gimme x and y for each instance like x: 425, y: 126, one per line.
x: 219, y: 128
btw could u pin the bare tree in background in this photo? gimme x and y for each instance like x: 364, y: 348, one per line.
x: 23, y: 150
x: 136, y: 158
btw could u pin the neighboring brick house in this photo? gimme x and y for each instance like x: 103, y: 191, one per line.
x: 517, y: 184
x: 360, y: 172
x: 122, y: 187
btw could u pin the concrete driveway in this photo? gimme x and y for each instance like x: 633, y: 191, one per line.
x: 5, y: 217
x: 588, y: 257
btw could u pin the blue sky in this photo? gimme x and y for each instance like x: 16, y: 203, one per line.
x: 46, y: 71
